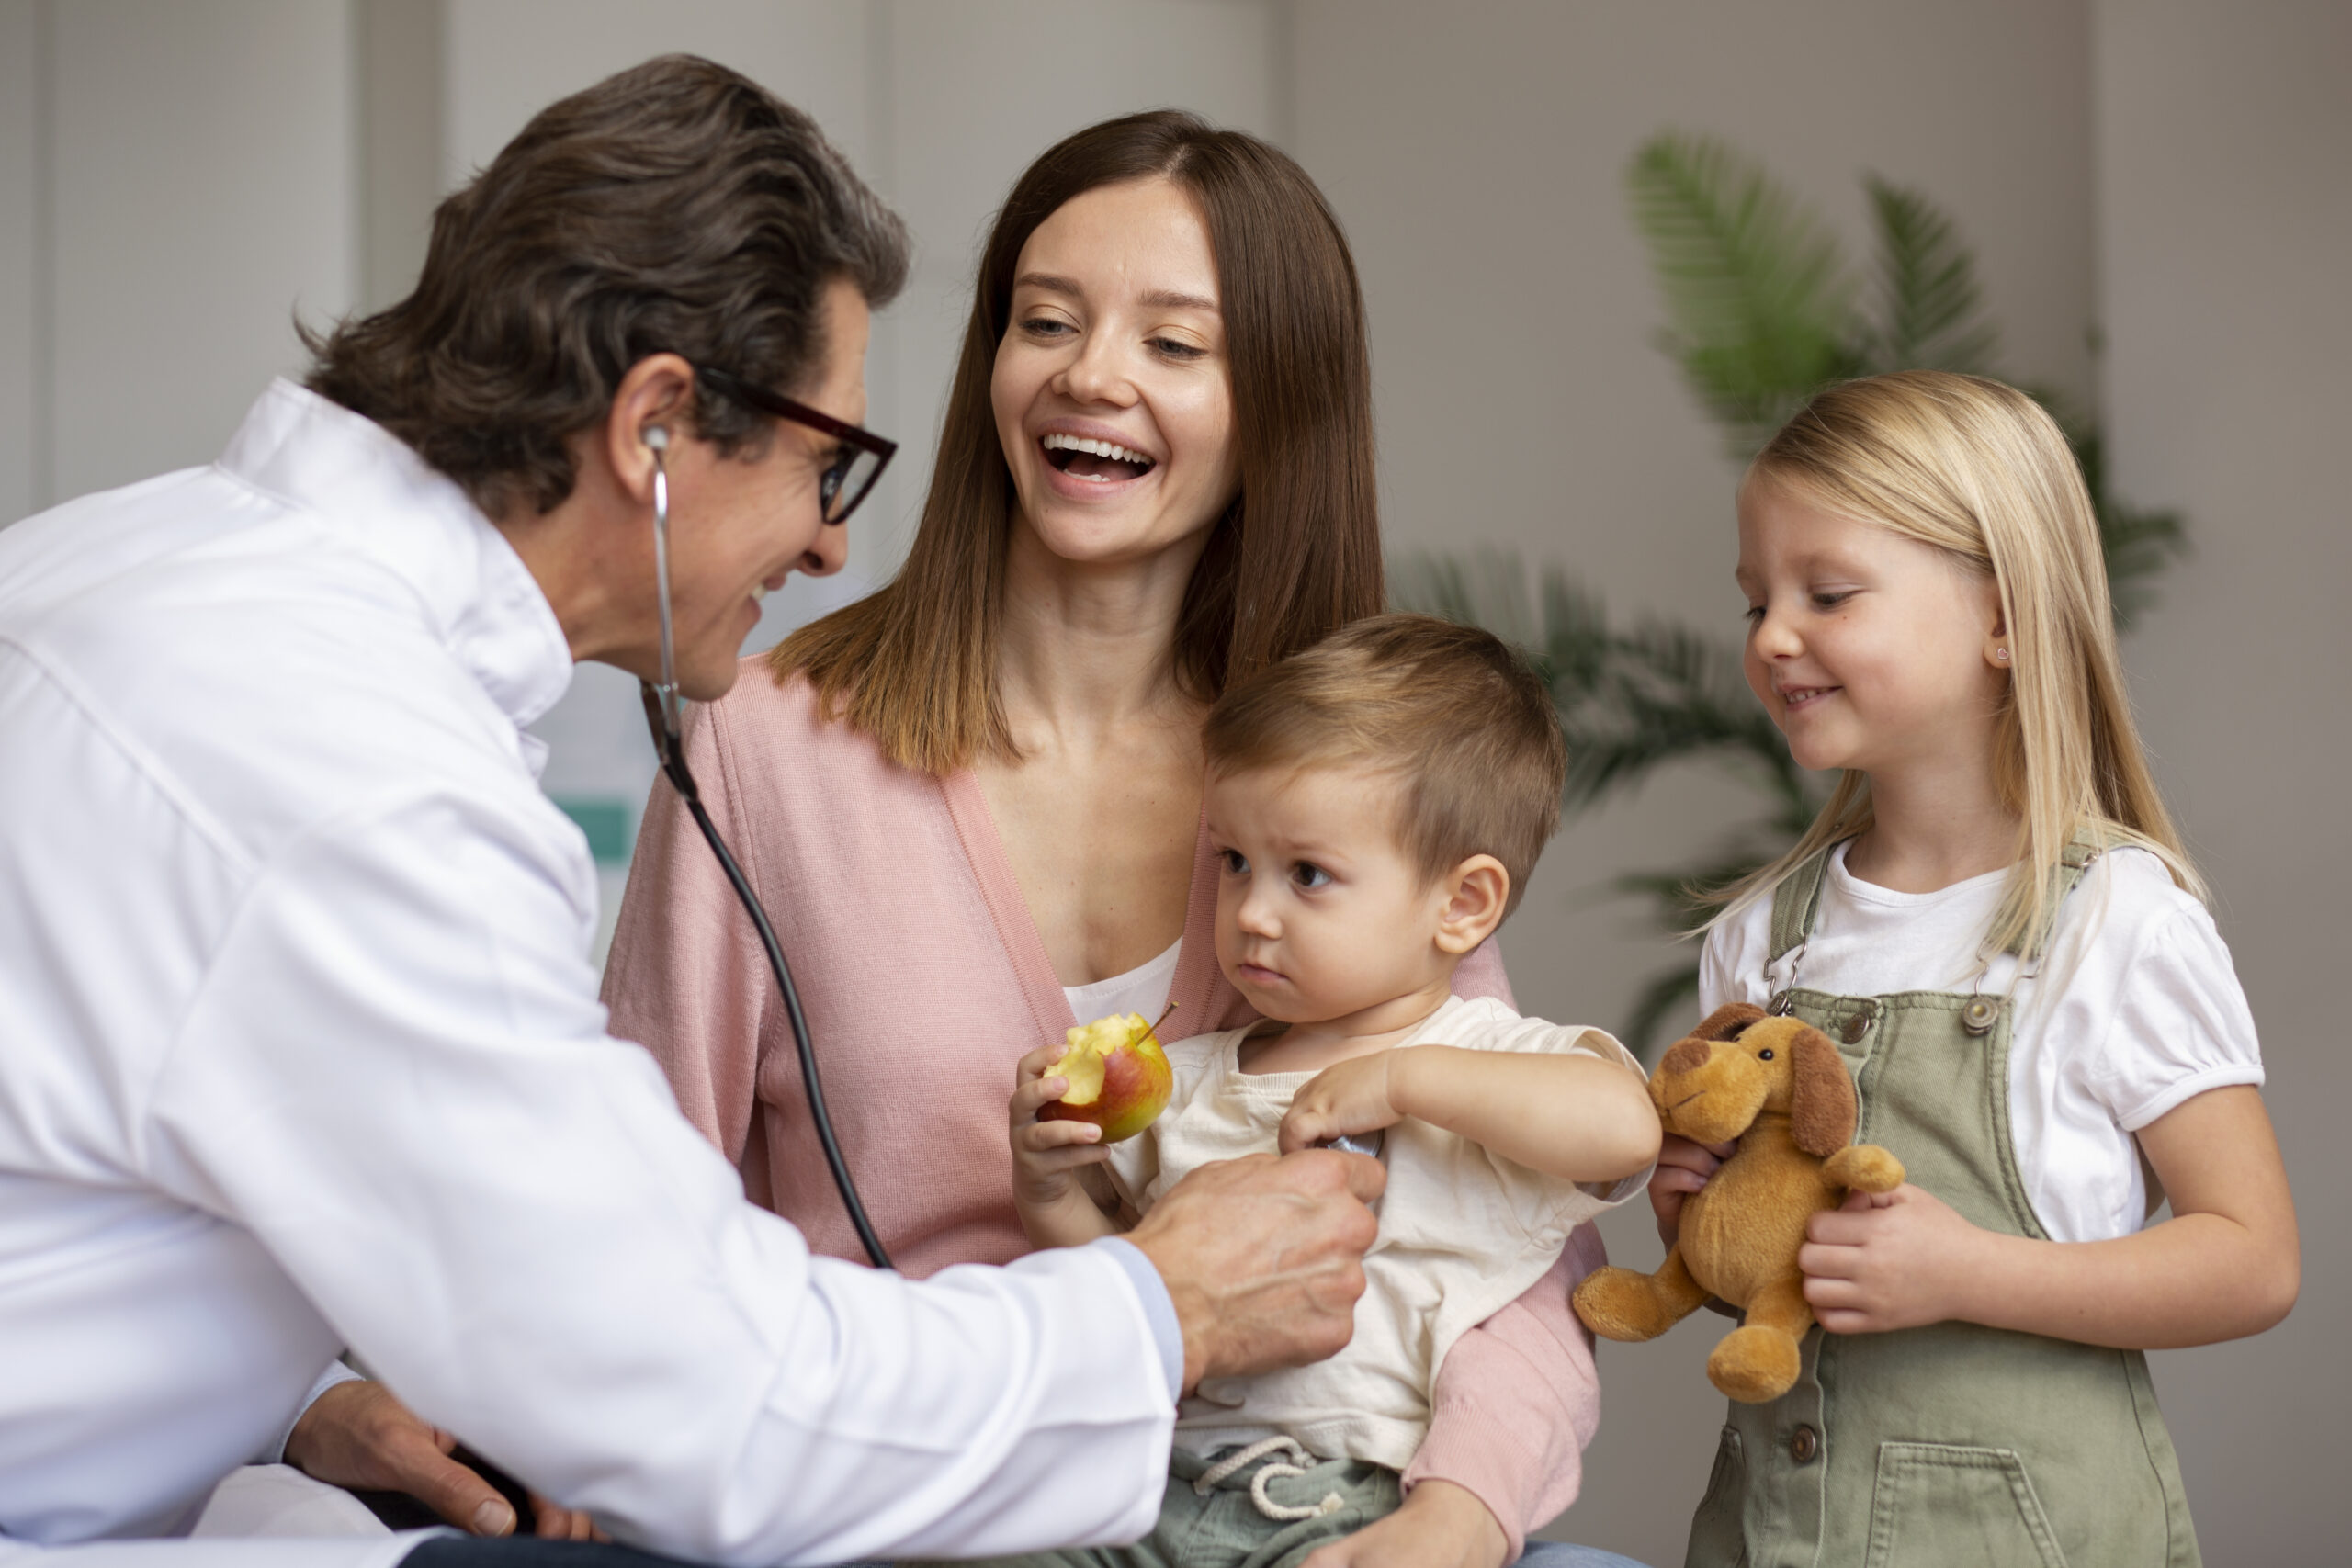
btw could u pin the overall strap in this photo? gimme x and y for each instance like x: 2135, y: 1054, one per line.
x: 1797, y: 902
x: 2081, y: 851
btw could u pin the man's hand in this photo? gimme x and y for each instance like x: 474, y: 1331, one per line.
x: 1264, y: 1257
x: 1683, y: 1167
x: 1352, y: 1096
x: 1441, y: 1526
x: 1897, y: 1259
x: 358, y: 1435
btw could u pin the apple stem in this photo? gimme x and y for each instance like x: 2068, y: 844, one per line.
x: 1155, y: 1023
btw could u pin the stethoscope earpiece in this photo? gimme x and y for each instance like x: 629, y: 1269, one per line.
x: 665, y: 690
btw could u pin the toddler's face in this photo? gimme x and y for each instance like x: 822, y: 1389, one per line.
x: 1320, y: 911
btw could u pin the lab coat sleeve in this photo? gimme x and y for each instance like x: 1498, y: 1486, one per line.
x: 397, y: 1077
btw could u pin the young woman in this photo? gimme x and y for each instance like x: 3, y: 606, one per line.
x: 1156, y: 475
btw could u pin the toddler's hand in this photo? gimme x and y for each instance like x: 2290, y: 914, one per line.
x: 1045, y: 1153
x: 1897, y: 1259
x: 1348, y: 1097
x: 1683, y: 1167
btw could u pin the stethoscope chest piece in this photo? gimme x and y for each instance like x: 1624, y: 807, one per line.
x: 1368, y: 1144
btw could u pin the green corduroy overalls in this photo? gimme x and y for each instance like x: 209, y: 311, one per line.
x: 1954, y: 1444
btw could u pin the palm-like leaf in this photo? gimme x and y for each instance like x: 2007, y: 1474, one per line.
x: 1929, y: 311
x: 1760, y: 304
x: 1671, y: 694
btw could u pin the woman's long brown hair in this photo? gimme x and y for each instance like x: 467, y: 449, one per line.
x: 1296, y: 554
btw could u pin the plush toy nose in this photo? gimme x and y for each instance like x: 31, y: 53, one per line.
x: 1689, y: 1055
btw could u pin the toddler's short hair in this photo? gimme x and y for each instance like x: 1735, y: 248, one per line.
x: 1456, y: 716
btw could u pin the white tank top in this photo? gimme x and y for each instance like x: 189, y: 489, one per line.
x: 1142, y: 989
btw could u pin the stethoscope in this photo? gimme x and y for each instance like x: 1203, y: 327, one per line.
x: 661, y: 715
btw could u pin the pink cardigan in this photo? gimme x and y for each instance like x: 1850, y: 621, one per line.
x: 924, y: 979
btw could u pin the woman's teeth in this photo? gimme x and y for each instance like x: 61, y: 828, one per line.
x: 1086, y: 458
x: 1111, y: 450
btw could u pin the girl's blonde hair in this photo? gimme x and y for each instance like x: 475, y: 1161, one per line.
x: 1981, y: 471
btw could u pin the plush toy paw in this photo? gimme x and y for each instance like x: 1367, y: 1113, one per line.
x: 1755, y: 1364
x: 1864, y: 1167
x: 1618, y: 1303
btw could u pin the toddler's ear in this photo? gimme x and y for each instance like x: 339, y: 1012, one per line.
x: 1477, y: 891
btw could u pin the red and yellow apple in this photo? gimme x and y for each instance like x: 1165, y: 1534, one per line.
x: 1117, y: 1074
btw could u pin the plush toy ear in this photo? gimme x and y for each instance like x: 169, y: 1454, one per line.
x: 1726, y: 1021
x: 1823, y: 1107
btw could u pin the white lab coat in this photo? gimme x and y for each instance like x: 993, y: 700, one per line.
x: 300, y: 1048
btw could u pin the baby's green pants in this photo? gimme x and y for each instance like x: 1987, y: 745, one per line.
x: 1225, y: 1529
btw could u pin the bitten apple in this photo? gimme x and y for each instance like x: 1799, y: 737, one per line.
x: 1118, y: 1076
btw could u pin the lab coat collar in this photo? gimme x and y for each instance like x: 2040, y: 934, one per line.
x: 370, y: 487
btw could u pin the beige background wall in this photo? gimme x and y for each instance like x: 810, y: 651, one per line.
x: 176, y: 176
x: 2223, y: 140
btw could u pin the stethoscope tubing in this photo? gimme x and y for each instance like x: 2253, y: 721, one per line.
x: 661, y: 714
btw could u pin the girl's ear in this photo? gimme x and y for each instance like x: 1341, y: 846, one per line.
x: 1996, y: 649
x: 1999, y: 650
x: 1477, y: 892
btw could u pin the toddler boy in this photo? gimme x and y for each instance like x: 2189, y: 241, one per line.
x: 1378, y: 802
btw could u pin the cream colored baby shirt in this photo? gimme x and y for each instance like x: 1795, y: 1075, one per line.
x: 1462, y: 1233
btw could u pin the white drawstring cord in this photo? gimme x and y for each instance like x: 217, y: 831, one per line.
x: 1299, y: 1463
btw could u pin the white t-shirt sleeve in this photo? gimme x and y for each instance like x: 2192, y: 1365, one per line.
x: 2180, y: 1025
x: 2137, y: 1010
x: 1731, y: 965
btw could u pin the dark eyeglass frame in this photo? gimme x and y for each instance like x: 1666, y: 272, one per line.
x: 855, y: 440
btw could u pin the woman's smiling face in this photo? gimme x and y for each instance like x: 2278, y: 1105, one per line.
x: 1113, y: 393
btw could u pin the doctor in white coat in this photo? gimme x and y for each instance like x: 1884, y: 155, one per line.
x: 300, y: 1044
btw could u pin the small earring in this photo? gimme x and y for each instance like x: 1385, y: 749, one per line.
x: 2002, y: 654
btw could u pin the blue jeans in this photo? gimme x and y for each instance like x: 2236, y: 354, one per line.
x: 468, y: 1553
x: 1566, y: 1554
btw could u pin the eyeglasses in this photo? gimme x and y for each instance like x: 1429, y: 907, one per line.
x: 850, y: 477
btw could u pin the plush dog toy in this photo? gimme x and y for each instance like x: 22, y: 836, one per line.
x: 1778, y: 1086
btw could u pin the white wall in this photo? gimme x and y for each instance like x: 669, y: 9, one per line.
x: 203, y: 157
x: 2223, y: 138
x: 176, y: 181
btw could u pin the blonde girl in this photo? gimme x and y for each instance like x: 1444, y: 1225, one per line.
x: 1995, y: 918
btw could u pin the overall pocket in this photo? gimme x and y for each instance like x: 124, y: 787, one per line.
x: 1719, y: 1529
x: 1940, y: 1505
